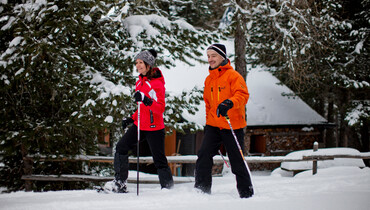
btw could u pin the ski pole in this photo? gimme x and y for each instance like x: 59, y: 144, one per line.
x: 237, y: 143
x: 223, y: 158
x: 138, y: 151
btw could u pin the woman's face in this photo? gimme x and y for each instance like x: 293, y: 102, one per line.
x: 141, y: 67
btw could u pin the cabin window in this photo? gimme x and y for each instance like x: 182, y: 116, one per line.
x: 104, y: 138
x: 258, y: 145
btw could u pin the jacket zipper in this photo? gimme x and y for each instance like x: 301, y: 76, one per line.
x: 151, y: 117
x: 212, y: 93
x: 218, y: 94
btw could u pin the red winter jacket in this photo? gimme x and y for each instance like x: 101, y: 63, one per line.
x: 151, y: 117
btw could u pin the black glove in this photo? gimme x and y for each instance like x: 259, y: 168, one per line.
x: 223, y: 107
x: 139, y: 96
x: 126, y: 122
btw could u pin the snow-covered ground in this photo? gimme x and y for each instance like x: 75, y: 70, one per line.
x: 331, y: 188
x: 338, y: 187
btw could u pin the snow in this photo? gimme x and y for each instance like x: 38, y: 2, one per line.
x: 87, y: 18
x: 359, y: 47
x: 7, y: 26
x: 356, y: 113
x: 15, y: 41
x: 266, y: 105
x: 305, y: 165
x: 339, y: 188
x: 108, y: 87
x: 108, y: 119
x: 19, y: 71
x: 88, y: 103
x: 137, y: 24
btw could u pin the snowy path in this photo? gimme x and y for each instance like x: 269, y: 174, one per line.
x: 335, y: 188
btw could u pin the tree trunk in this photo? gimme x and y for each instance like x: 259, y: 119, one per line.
x: 365, y: 135
x: 240, y: 42
x: 344, y: 100
x: 365, y: 141
x: 330, y: 138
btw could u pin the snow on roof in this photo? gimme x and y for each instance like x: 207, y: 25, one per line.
x: 266, y: 105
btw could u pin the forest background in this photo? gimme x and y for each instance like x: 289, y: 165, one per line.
x: 66, y: 67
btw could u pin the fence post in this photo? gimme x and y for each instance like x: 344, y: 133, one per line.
x: 27, y: 168
x: 314, y: 162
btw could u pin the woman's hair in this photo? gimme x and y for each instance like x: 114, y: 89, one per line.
x: 150, y: 74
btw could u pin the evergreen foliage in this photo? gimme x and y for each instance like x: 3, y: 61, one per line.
x: 67, y: 73
x: 317, y: 48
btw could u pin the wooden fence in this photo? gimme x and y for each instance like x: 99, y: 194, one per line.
x: 189, y: 159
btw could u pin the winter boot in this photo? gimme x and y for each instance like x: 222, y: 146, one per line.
x: 115, y: 186
x: 165, y: 178
x: 121, y: 173
x: 203, y: 189
x: 203, y: 183
x: 119, y: 187
x: 246, y: 193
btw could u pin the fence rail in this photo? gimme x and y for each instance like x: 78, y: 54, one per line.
x: 187, y: 159
x: 193, y: 158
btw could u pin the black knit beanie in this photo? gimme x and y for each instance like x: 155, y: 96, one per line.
x: 219, y: 48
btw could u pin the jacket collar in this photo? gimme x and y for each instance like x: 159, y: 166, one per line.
x: 217, y: 72
x: 157, y: 75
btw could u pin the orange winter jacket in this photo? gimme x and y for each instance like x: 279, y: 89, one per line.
x: 221, y: 84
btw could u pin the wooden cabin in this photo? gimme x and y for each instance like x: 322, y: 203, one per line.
x: 276, y: 125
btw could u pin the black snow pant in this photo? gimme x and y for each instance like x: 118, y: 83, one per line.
x: 213, y: 137
x: 156, y: 144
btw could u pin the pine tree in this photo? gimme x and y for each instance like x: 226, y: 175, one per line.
x: 174, y: 39
x: 308, y: 46
x: 356, y: 63
x: 66, y: 73
x: 53, y: 63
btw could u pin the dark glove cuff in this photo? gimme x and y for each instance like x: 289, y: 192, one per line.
x: 130, y: 120
x: 228, y: 103
x: 147, y: 101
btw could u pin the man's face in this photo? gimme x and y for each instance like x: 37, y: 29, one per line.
x: 214, y: 59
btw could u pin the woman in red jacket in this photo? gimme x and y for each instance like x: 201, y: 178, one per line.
x: 150, y: 91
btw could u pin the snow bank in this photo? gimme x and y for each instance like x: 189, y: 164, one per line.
x: 306, y: 165
x: 338, y: 188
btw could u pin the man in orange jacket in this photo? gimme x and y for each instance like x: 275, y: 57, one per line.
x: 225, y: 93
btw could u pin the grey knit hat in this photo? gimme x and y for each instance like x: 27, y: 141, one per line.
x: 147, y: 57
